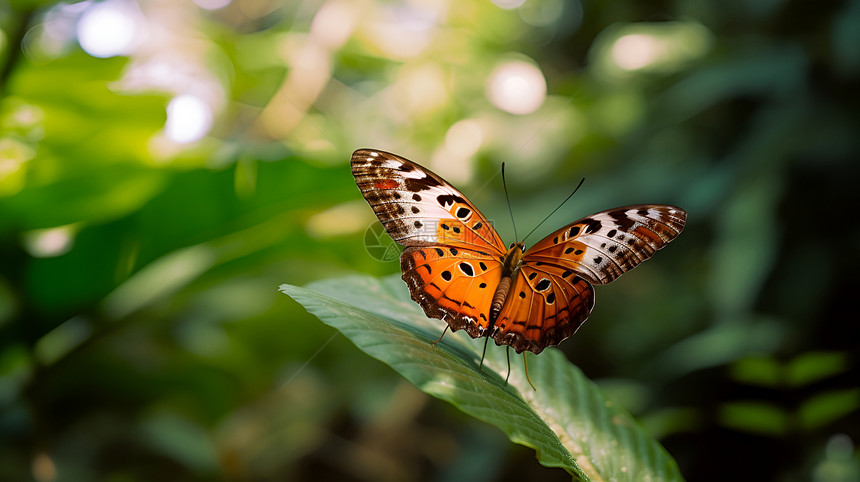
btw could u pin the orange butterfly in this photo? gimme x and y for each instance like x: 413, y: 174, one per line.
x: 458, y: 269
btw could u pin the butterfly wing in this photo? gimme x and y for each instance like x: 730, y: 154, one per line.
x: 419, y: 208
x: 552, y: 295
x: 452, y: 284
x: 546, y: 306
x: 603, y: 246
x: 452, y: 261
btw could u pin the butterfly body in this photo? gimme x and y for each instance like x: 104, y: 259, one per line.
x: 458, y: 269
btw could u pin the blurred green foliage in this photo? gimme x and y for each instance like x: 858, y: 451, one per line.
x: 159, y: 180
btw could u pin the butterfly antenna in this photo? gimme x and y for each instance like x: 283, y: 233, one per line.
x: 526, y: 366
x: 554, y: 210
x: 505, y: 185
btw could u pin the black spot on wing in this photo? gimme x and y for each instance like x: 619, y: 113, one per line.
x: 418, y: 185
x: 591, y: 225
x: 450, y: 199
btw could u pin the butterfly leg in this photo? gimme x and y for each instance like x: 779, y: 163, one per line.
x: 526, y: 366
x: 484, y: 353
x: 440, y: 338
x: 508, y: 355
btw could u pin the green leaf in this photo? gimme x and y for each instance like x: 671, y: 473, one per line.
x: 568, y: 421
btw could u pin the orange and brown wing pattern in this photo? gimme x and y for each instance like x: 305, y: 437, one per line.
x: 453, y: 284
x: 602, y: 247
x: 419, y: 208
x: 545, y: 305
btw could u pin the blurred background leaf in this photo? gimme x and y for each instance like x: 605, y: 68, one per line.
x: 164, y: 166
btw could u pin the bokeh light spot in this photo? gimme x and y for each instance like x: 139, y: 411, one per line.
x: 464, y: 138
x: 108, y: 29
x: 48, y: 243
x: 188, y: 119
x: 211, y: 4
x: 635, y: 51
x: 334, y: 23
x: 509, y: 4
x: 517, y: 87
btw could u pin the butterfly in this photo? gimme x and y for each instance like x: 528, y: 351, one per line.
x: 458, y: 269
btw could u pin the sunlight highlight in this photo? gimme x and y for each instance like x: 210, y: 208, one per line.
x: 464, y: 138
x: 188, y: 119
x: 334, y: 23
x: 212, y: 4
x: 635, y: 51
x: 49, y: 243
x: 623, y: 50
x: 509, y: 4
x: 517, y: 87
x: 455, y: 159
x: 421, y: 89
x: 109, y: 29
x: 404, y: 31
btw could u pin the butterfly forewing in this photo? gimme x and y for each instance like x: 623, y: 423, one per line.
x: 417, y: 207
x: 603, y: 246
x: 452, y: 261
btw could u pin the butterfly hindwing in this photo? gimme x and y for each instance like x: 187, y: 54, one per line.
x: 546, y: 305
x: 456, y: 285
x: 603, y: 246
x: 417, y: 207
